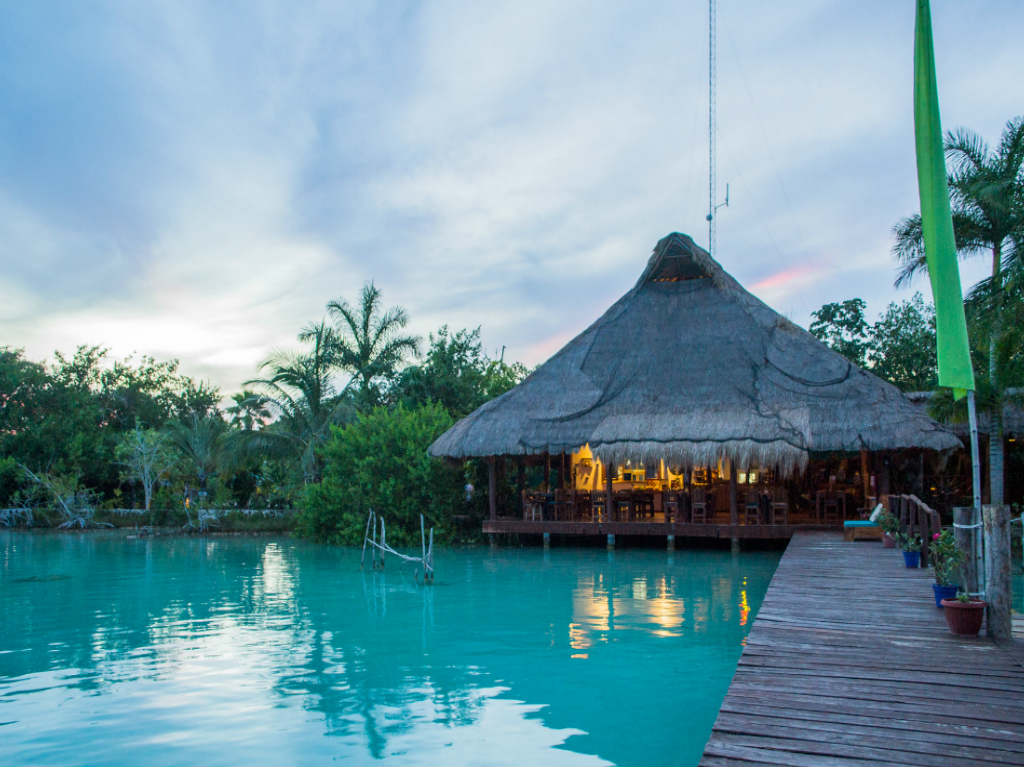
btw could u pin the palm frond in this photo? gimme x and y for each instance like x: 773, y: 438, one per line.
x: 966, y: 150
x: 909, y: 249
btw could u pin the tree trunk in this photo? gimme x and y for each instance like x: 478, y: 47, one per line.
x: 995, y: 432
x: 996, y: 467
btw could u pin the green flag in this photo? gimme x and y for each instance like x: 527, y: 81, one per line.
x: 936, y: 221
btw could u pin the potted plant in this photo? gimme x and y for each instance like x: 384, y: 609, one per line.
x: 946, y: 558
x: 964, y: 614
x: 910, y: 545
x: 890, y: 527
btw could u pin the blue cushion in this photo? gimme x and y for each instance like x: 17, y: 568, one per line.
x: 859, y: 523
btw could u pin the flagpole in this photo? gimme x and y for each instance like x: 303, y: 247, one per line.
x: 976, y: 523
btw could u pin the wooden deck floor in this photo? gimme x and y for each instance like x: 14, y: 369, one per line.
x: 849, y: 662
x: 655, y: 529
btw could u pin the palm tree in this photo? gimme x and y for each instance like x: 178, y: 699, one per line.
x: 369, y: 344
x: 250, y: 409
x: 300, y: 388
x: 987, y: 201
x: 201, y: 441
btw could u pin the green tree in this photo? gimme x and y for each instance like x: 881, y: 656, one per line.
x: 843, y: 327
x: 380, y: 462
x: 456, y: 373
x: 146, y: 459
x: 369, y: 343
x: 250, y: 410
x: 300, y: 388
x: 987, y: 199
x: 902, y: 345
x: 200, y: 440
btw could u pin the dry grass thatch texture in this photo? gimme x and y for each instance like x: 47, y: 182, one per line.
x: 690, y: 367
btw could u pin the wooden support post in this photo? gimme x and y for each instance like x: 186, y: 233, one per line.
x: 611, y: 541
x: 499, y: 470
x: 865, y: 476
x: 547, y: 540
x: 670, y: 542
x: 610, y: 512
x: 492, y: 487
x: 547, y: 472
x: 997, y: 572
x: 734, y: 516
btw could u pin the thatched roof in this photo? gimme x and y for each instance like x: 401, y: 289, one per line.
x: 690, y: 367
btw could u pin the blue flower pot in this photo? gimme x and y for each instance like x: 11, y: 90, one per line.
x: 944, y: 592
x: 912, y: 558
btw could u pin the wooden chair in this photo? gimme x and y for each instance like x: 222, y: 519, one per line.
x: 643, y: 505
x: 832, y: 508
x: 752, y: 508
x: 533, y: 506
x: 621, y: 502
x: 670, y: 506
x: 584, y: 506
x: 779, y: 506
x: 702, y: 509
x: 564, y: 504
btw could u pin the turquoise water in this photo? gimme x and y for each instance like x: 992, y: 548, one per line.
x: 271, y: 651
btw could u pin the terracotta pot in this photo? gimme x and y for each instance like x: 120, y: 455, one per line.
x: 888, y: 541
x: 964, y: 618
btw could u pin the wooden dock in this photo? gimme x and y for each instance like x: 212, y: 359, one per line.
x: 850, y: 662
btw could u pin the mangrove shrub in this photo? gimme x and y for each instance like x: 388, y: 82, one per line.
x: 380, y: 461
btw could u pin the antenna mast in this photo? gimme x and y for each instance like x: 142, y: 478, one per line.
x: 713, y: 126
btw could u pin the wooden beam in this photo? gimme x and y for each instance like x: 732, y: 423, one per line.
x: 609, y: 504
x: 492, y: 488
x: 865, y: 475
x: 733, y: 504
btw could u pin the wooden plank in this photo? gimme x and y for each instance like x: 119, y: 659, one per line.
x: 902, y: 723
x: 847, y: 735
x: 849, y: 662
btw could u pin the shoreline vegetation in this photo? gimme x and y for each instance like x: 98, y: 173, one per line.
x: 81, y: 436
x: 156, y: 521
x: 85, y: 442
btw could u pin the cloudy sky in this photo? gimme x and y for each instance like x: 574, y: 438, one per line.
x: 197, y: 180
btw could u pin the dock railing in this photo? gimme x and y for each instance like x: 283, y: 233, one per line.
x: 916, y: 518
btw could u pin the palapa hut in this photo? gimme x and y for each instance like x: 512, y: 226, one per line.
x: 684, y: 383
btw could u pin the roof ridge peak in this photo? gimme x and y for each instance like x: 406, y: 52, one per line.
x: 677, y: 258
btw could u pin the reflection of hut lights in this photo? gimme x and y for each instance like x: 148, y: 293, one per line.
x: 640, y: 588
x: 667, y: 613
x: 578, y: 637
x: 744, y: 608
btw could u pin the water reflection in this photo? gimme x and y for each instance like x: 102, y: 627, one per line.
x: 226, y: 651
